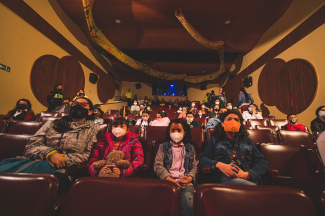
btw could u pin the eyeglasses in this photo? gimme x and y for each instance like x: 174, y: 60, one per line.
x: 83, y: 104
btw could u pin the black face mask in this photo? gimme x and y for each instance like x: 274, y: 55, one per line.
x: 78, y: 112
x: 21, y: 106
x: 66, y: 103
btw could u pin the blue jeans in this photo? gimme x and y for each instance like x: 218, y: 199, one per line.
x: 238, y: 181
x: 187, y: 200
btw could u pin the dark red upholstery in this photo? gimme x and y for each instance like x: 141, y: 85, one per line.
x: 273, y: 129
x: 111, y: 117
x: 291, y: 161
x: 209, y: 133
x: 115, y: 112
x: 131, y: 117
x: 22, y: 127
x: 198, y: 138
x: 51, y: 114
x: 318, y: 160
x: 3, y: 126
x: 222, y: 199
x: 202, y: 121
x: 255, y: 122
x: 323, y: 200
x: 64, y: 114
x: 135, y: 129
x: 48, y: 118
x: 27, y: 194
x: 268, y: 117
x: 12, y: 144
x: 278, y: 122
x: 316, y: 134
x: 296, y: 138
x: 109, y: 196
x: 261, y: 136
x: 154, y: 133
x: 249, y: 127
x: 103, y: 130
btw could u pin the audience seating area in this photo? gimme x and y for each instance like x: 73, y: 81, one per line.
x: 293, y: 158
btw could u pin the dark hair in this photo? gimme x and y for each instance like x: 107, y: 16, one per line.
x: 219, y: 131
x: 221, y: 109
x: 246, y: 95
x: 55, y: 88
x: 67, y: 99
x: 29, y: 105
x: 120, y: 121
x: 82, y: 90
x: 255, y: 106
x: 290, y: 115
x: 96, y: 105
x: 146, y: 111
x: 162, y: 114
x: 63, y: 124
x: 187, y: 130
x: 319, y: 109
x: 229, y: 103
x: 190, y: 113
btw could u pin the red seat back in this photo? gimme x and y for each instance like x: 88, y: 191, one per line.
x: 202, y: 121
x: 268, y: 117
x: 22, y: 127
x: 291, y: 161
x: 153, y: 133
x: 103, y: 131
x: 296, y: 138
x: 261, y: 136
x: 220, y: 199
x: 65, y: 114
x: 273, y: 129
x: 135, y: 129
x: 3, y: 126
x: 125, y: 197
x: 12, y: 144
x: 48, y: 118
x: 315, y: 134
x: 198, y: 138
x: 115, y: 112
x: 249, y: 127
x: 51, y: 114
x: 278, y: 122
x: 209, y: 133
x: 27, y: 194
x: 255, y: 122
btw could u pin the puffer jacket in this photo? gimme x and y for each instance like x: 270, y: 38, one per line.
x: 75, y: 144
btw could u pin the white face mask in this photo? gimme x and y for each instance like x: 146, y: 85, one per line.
x: 217, y: 103
x: 135, y: 103
x: 193, y: 104
x: 321, y: 114
x: 190, y: 119
x: 145, y: 118
x: 177, y: 137
x: 180, y: 109
x: 229, y: 107
x: 294, y: 120
x: 203, y: 107
x: 200, y: 114
x: 118, y: 132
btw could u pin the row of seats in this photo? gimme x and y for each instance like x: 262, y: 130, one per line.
x: 30, y: 195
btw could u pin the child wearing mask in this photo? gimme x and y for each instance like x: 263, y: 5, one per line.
x: 119, y: 139
x: 183, y: 114
x: 292, y: 125
x: 191, y: 121
x: 144, y: 121
x: 180, y: 110
x: 176, y: 161
x: 200, y: 114
x: 98, y: 116
x: 135, y: 109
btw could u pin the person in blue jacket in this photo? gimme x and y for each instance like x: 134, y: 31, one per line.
x: 231, y: 154
x: 244, y: 99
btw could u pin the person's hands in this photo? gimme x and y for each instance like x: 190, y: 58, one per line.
x: 116, y: 170
x: 104, y: 169
x: 172, y: 180
x: 58, y: 160
x: 242, y: 174
x: 186, y: 180
x: 227, y: 169
x: 10, y: 120
x: 51, y: 163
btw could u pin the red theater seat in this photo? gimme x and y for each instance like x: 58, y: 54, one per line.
x: 27, y: 194
x: 261, y: 136
x: 255, y: 122
x: 198, y: 138
x: 65, y: 114
x: 12, y: 144
x: 202, y: 121
x: 268, y: 117
x: 135, y: 129
x: 103, y: 131
x: 154, y: 133
x: 3, y: 126
x: 296, y: 138
x: 278, y: 122
x: 122, y: 197
x: 222, y: 199
x: 22, y: 127
x: 316, y: 134
x: 249, y: 127
x: 272, y: 129
x: 50, y: 114
x: 48, y: 118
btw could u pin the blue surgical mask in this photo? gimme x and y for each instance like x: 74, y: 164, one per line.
x: 250, y: 109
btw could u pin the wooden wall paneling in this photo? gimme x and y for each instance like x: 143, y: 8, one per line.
x: 296, y: 86
x: 105, y: 88
x: 47, y: 71
x: 266, y: 82
x: 74, y: 77
x: 232, y: 89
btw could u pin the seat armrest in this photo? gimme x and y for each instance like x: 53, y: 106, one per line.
x: 143, y: 167
x: 273, y: 172
x: 205, y: 169
x: 73, y: 169
x: 58, y: 202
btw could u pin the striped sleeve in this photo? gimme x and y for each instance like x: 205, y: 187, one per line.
x: 96, y: 154
x: 137, y: 158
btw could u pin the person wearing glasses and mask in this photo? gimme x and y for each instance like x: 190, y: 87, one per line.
x: 318, y: 124
x: 64, y: 108
x: 66, y: 141
x: 22, y: 112
x: 231, y: 154
x: 251, y: 113
x: 292, y: 125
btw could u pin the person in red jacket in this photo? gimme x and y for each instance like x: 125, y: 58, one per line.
x: 292, y: 125
x: 22, y: 112
x: 119, y: 139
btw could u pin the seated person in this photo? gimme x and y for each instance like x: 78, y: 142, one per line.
x: 191, y: 121
x: 200, y: 114
x: 120, y: 139
x: 256, y: 108
x: 81, y: 93
x: 144, y: 121
x: 155, y: 101
x: 161, y: 120
x: 292, y: 125
x: 181, y: 164
x: 170, y: 102
x: 142, y: 108
x: 183, y: 114
x: 221, y: 104
x: 318, y: 124
x: 162, y: 102
x: 180, y: 110
x: 231, y: 154
x: 64, y: 108
x: 214, y: 121
x: 213, y: 112
x: 135, y: 108
x: 251, y: 113
x: 140, y: 101
x: 65, y: 141
x: 148, y: 108
x: 204, y: 103
x: 176, y: 102
x: 98, y: 116
x: 22, y: 112
x: 204, y: 109
x: 229, y: 106
x: 169, y: 107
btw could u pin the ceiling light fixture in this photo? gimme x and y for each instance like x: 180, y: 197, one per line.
x: 227, y: 22
x: 118, y: 21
